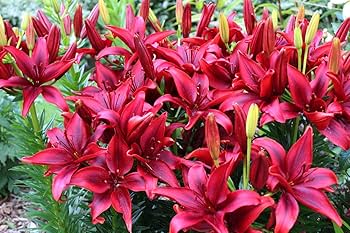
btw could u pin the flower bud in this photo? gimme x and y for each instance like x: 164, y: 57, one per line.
x: 3, y: 38
x: 104, y: 11
x: 252, y: 120
x: 334, y: 56
x: 55, y: 6
x: 312, y: 28
x: 67, y: 25
x: 224, y: 28
x: 25, y: 21
x: 186, y: 21
x: 144, y: 9
x: 300, y: 15
x: 298, y: 38
x: 179, y: 11
x: 144, y: 56
x: 78, y: 21
x: 274, y: 17
x: 30, y: 35
x: 212, y: 137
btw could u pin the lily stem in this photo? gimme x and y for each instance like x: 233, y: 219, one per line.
x: 247, y: 163
x: 295, y: 129
x: 306, y: 53
x: 35, y: 120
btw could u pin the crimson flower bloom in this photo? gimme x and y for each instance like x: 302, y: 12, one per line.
x: 312, y: 98
x: 111, y: 184
x: 204, y: 203
x: 68, y: 150
x: 37, y: 73
x: 195, y: 98
x: 293, y: 174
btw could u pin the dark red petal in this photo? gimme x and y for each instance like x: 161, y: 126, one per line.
x: 275, y: 150
x: 14, y: 81
x: 24, y: 62
x: 197, y: 179
x: 184, y: 85
x: 320, y: 119
x: 299, y: 87
x: 299, y: 156
x: 135, y: 182
x: 92, y: 178
x: 287, y: 211
x: 184, y: 220
x: 114, y: 50
x: 162, y: 171
x: 158, y: 36
x: 216, y: 221
x: 184, y: 196
x: 249, y: 16
x: 100, y: 203
x: 77, y: 132
x: 56, y: 70
x: 61, y: 180
x: 29, y: 95
x: 319, y: 85
x: 94, y: 37
x: 117, y: 160
x: 40, y: 54
x: 317, y: 201
x: 121, y: 202
x: 54, y: 96
x: 250, y: 71
x: 320, y: 178
x: 259, y: 172
x: 337, y: 134
x: 124, y: 35
x: 50, y: 156
x: 240, y: 198
x: 106, y: 78
x: 217, y: 189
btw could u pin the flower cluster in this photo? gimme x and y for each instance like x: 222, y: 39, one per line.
x: 176, y: 118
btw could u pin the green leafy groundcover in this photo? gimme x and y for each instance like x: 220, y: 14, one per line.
x: 200, y: 119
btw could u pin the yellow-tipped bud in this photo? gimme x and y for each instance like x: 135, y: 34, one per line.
x: 312, y: 28
x: 104, y: 11
x: 25, y: 21
x: 252, y: 120
x: 274, y: 17
x: 298, y: 38
x: 224, y: 28
x: 220, y: 4
x: 3, y: 38
x: 212, y: 137
x: 179, y: 11
x: 300, y: 15
x: 334, y: 56
x: 56, y: 6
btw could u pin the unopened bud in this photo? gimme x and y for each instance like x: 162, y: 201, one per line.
x: 56, y: 6
x: 25, y: 21
x: 298, y: 38
x: 179, y: 11
x: 300, y: 15
x: 3, y: 38
x: 334, y: 56
x: 312, y: 28
x: 212, y: 137
x: 252, y: 120
x: 104, y: 11
x: 220, y: 4
x: 30, y: 35
x: 224, y: 28
x: 186, y: 21
x: 274, y: 17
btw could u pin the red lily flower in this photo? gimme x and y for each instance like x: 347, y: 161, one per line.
x: 37, y: 72
x: 205, y: 201
x: 111, y: 184
x: 155, y: 161
x: 299, y: 182
x: 309, y: 97
x: 68, y: 149
x: 196, y: 98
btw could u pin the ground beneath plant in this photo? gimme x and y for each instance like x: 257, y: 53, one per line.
x: 12, y: 215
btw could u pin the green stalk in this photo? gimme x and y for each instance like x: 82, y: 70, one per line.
x: 305, y: 57
x: 35, y: 120
x: 299, y: 58
x: 244, y: 175
x: 247, y: 163
x: 295, y: 129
